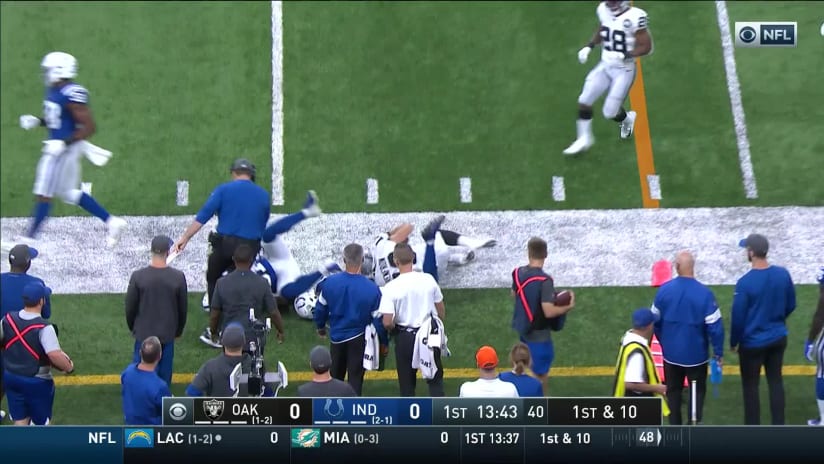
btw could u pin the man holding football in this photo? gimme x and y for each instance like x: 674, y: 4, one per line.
x: 622, y: 32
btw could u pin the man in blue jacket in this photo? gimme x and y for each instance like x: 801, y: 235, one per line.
x: 347, y: 300
x: 689, y: 320
x: 764, y: 298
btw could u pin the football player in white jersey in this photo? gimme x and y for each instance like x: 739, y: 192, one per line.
x: 440, y: 248
x: 622, y: 32
x: 68, y: 120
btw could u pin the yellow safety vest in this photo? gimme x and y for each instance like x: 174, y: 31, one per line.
x: 652, y: 375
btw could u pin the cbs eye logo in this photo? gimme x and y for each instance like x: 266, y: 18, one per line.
x: 747, y: 34
x: 178, y: 411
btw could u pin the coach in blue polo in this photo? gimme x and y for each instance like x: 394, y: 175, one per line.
x: 347, y: 301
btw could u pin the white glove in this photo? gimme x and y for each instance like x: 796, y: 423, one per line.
x: 53, y: 147
x: 29, y: 122
x: 583, y: 54
x: 612, y: 56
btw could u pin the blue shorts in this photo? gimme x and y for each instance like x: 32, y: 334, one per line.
x: 30, y: 397
x: 542, y: 355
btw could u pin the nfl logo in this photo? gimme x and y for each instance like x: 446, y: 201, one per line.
x: 213, y: 409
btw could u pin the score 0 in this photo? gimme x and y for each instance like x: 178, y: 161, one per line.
x: 414, y: 412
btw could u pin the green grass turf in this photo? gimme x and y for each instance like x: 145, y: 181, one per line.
x: 178, y: 91
x: 414, y: 94
x: 92, y: 331
x: 782, y: 97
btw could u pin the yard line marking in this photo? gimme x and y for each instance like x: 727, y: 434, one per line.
x: 654, y: 186
x: 558, y: 190
x: 466, y: 189
x: 452, y: 373
x: 86, y: 187
x: 643, y: 142
x: 183, y: 193
x: 277, y: 103
x: 734, y: 89
x: 372, y: 195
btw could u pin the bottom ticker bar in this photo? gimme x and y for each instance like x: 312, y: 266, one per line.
x: 418, y: 445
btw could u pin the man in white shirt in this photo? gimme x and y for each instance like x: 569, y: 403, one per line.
x: 407, y: 302
x: 488, y: 385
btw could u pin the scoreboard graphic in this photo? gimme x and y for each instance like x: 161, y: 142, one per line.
x: 412, y: 430
x: 412, y: 411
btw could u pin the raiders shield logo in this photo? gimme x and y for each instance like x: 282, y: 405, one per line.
x: 213, y: 409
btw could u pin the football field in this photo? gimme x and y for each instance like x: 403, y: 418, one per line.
x: 397, y: 111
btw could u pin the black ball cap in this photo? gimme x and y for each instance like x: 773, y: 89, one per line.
x: 243, y: 164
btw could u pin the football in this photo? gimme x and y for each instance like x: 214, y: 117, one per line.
x: 562, y: 298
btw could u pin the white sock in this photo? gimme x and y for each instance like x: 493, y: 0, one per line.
x: 584, y: 127
x: 821, y: 410
x: 470, y: 242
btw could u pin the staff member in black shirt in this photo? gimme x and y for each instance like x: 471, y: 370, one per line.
x: 236, y: 293
x: 157, y: 302
x: 242, y: 210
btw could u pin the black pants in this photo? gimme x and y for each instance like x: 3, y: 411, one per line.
x: 347, y: 358
x: 674, y: 379
x: 222, y: 247
x: 750, y: 361
x: 407, y: 376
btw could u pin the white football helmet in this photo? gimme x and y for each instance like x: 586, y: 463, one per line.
x: 617, y: 7
x: 305, y: 304
x: 57, y: 66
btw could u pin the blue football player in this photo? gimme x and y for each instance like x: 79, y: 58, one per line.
x: 69, y: 122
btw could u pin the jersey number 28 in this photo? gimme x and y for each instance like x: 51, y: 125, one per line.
x: 615, y: 41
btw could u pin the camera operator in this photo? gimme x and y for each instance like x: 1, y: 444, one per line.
x: 237, y: 293
x: 213, y: 377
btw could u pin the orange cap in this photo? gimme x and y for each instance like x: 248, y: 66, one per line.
x: 486, y: 357
x: 661, y: 272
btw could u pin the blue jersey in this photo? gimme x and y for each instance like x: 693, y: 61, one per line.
x: 11, y: 293
x: 59, y: 120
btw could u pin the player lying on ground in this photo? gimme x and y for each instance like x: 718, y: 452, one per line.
x: 277, y: 264
x: 447, y: 247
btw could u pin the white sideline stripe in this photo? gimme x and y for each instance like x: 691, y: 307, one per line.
x: 587, y: 247
x: 654, y: 183
x: 372, y: 195
x: 466, y: 189
x: 558, y: 190
x: 183, y: 193
x: 277, y: 103
x: 86, y: 187
x: 734, y: 89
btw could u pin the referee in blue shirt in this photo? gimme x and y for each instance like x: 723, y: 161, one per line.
x: 242, y: 209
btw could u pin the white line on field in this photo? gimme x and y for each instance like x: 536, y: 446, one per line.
x: 277, y: 103
x: 466, y: 190
x: 558, y: 190
x: 183, y: 193
x: 734, y: 89
x: 86, y: 187
x: 372, y: 195
x: 654, y: 183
